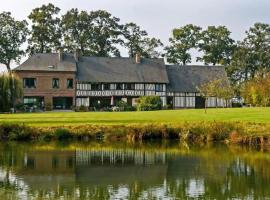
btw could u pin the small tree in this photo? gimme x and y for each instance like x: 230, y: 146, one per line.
x: 219, y: 88
x: 147, y: 103
x: 257, y: 91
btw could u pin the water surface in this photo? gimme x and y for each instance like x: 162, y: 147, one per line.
x: 132, y: 171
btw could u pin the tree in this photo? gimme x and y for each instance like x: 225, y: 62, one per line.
x: 13, y: 34
x: 216, y: 45
x: 10, y: 90
x: 219, y: 88
x: 184, y: 39
x: 45, y: 35
x: 105, y: 32
x: 76, y: 27
x: 136, y: 41
x: 257, y: 91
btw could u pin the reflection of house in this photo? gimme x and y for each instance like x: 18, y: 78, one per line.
x: 65, y: 80
x: 48, y: 169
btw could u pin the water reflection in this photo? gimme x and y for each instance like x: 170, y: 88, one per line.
x: 121, y: 171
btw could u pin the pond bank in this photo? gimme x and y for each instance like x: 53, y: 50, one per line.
x: 195, y: 132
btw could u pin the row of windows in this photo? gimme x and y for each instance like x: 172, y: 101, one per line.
x: 32, y: 83
x: 120, y: 86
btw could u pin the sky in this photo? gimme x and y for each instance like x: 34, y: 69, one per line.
x: 159, y: 17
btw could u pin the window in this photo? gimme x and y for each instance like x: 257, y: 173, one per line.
x: 96, y: 87
x: 55, y: 83
x: 119, y: 86
x: 130, y: 86
x: 159, y: 87
x: 29, y: 83
x: 107, y: 86
x: 70, y: 83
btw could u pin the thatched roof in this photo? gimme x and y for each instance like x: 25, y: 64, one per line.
x: 189, y: 78
x: 116, y: 70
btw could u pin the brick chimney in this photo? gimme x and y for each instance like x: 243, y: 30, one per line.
x: 60, y: 54
x: 138, y: 58
x: 77, y: 55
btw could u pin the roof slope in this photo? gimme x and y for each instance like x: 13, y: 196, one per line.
x: 114, y: 70
x: 188, y: 78
x: 41, y: 61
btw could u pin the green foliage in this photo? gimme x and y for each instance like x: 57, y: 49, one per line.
x: 252, y: 56
x: 62, y: 134
x: 184, y: 39
x: 15, y: 132
x: 148, y: 103
x: 219, y: 88
x: 13, y: 34
x: 136, y: 41
x: 10, y: 90
x: 216, y: 45
x: 45, y: 34
x: 123, y: 106
x: 257, y: 91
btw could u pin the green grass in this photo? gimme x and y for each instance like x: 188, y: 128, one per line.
x: 256, y: 115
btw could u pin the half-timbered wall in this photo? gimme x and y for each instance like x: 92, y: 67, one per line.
x: 85, y: 90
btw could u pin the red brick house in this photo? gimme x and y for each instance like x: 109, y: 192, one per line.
x: 49, y: 79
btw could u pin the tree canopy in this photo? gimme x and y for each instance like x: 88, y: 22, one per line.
x: 13, y: 34
x: 183, y: 40
x: 45, y: 34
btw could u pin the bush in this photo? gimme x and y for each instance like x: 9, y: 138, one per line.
x: 62, y: 134
x: 147, y: 103
x: 48, y: 106
x: 123, y: 106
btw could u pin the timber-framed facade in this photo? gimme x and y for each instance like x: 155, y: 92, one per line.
x: 67, y: 80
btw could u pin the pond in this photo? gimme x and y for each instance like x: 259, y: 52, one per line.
x: 157, y: 170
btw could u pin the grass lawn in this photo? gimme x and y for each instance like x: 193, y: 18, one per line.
x: 258, y: 115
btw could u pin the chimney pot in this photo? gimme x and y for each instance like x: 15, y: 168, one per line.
x: 138, y: 58
x: 60, y: 54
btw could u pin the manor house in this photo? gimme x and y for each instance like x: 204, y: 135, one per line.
x: 66, y: 80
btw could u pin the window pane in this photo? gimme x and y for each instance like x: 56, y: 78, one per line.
x: 55, y: 83
x: 69, y: 83
x: 29, y: 82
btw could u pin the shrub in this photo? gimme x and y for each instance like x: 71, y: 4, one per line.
x: 48, y: 106
x: 62, y: 134
x: 147, y: 103
x: 123, y: 106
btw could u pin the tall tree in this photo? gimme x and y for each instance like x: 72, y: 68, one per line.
x: 77, y: 27
x: 106, y: 32
x: 252, y: 55
x: 183, y: 40
x: 136, y: 41
x: 216, y: 45
x: 257, y: 40
x: 13, y: 34
x: 45, y: 35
